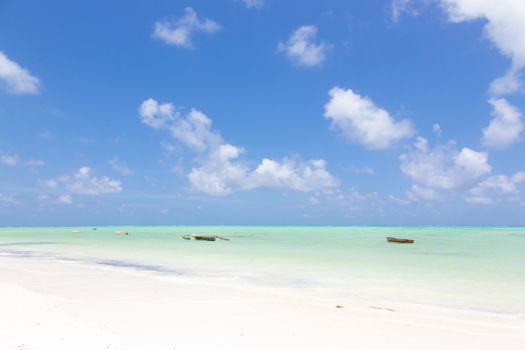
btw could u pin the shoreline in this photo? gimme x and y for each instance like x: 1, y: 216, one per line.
x: 60, y: 305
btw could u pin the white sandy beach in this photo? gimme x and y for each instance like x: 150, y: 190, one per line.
x: 48, y: 304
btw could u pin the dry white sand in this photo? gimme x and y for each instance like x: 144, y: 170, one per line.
x: 57, y: 305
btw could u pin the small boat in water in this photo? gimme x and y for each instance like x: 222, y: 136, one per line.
x: 399, y: 240
x: 123, y: 233
x: 204, y: 238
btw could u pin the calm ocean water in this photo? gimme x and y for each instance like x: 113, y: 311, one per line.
x: 481, y: 268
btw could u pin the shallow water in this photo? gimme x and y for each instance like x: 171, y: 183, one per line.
x: 481, y: 268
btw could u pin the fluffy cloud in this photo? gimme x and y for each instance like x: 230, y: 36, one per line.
x: 504, y: 23
x: 156, y: 115
x: 180, y: 31
x: 194, y: 129
x: 442, y: 168
x: 221, y: 170
x: 17, y: 80
x: 302, y: 49
x: 497, y: 185
x: 120, y: 167
x: 360, y: 120
x: 83, y: 182
x: 506, y: 126
x: 291, y: 174
x: 220, y: 173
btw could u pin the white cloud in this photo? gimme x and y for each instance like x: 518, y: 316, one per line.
x: 291, y: 174
x: 402, y: 6
x: 120, y: 167
x: 417, y: 192
x: 17, y: 80
x: 9, y: 159
x: 7, y: 201
x: 398, y: 200
x: 180, y: 31
x: 504, y: 27
x: 83, y: 182
x: 437, y: 129
x: 14, y: 159
x: 156, y: 115
x: 253, y: 3
x: 65, y: 199
x: 194, y: 129
x: 443, y: 167
x: 478, y: 200
x: 361, y: 121
x: 506, y: 126
x: 507, y: 84
x: 220, y: 170
x: 302, y: 49
x: 222, y: 173
x: 496, y: 185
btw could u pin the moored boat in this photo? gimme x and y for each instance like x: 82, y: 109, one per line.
x: 204, y: 237
x: 399, y: 240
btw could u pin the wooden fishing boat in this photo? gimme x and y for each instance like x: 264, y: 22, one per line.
x: 399, y: 240
x: 204, y: 238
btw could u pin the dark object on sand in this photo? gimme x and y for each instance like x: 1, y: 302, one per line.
x: 204, y: 237
x: 399, y: 240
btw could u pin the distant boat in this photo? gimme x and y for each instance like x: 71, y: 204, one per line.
x: 75, y: 231
x: 204, y: 238
x: 121, y: 232
x: 399, y: 240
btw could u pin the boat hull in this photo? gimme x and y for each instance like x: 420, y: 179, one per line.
x: 399, y: 240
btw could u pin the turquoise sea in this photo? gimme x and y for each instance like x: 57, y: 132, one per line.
x: 480, y: 268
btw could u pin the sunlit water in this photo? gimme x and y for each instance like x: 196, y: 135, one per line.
x: 481, y: 268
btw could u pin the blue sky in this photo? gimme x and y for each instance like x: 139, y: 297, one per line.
x: 262, y: 112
